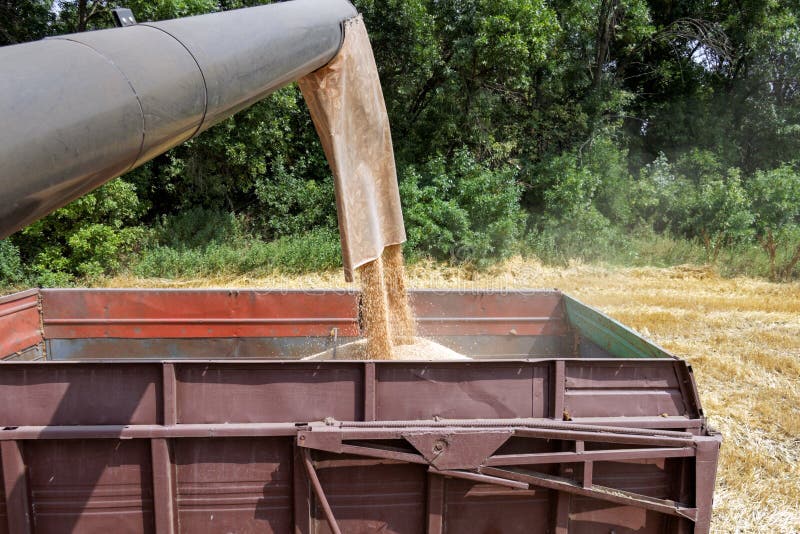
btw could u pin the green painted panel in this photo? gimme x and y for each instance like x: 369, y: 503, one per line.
x: 619, y: 340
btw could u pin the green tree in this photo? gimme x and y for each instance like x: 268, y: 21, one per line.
x: 11, y: 270
x: 600, y: 119
x: 718, y: 212
x: 87, y: 237
x: 776, y: 204
x: 459, y: 210
x: 24, y: 20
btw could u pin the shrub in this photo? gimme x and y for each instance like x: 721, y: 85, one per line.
x: 317, y: 250
x: 11, y: 271
x: 292, y: 205
x: 314, y: 251
x: 776, y: 204
x: 88, y: 237
x: 196, y: 227
x: 460, y: 210
x: 649, y: 248
x: 586, y: 234
x: 695, y: 199
x: 718, y: 212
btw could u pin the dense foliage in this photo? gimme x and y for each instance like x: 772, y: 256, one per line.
x: 619, y: 130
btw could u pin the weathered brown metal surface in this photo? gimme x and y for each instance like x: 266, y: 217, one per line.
x: 552, y: 444
x: 100, y: 439
x: 515, y: 313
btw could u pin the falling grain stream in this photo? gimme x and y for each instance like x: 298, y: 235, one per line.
x: 346, y: 104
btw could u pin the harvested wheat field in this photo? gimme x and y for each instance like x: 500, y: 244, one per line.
x: 742, y: 337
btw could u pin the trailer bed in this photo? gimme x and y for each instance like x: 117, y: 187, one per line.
x: 190, y: 411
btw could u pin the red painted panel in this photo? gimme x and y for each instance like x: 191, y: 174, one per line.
x: 433, y: 303
x: 83, y: 313
x: 462, y: 390
x: 20, y: 325
x: 241, y: 485
x: 90, y: 485
x: 136, y: 313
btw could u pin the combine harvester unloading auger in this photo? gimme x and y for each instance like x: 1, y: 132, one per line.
x: 193, y: 411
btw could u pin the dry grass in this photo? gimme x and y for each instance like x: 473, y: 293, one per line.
x: 742, y: 337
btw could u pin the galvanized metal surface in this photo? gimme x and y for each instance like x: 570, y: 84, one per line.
x: 601, y: 335
x: 81, y: 109
x: 503, y: 347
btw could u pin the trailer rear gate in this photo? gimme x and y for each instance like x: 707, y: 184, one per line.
x: 146, y: 416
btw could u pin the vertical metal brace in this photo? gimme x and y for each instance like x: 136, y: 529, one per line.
x: 165, y: 491
x: 301, y: 494
x: 369, y: 392
x: 559, y: 385
x: 169, y: 394
x: 318, y: 491
x: 705, y: 474
x: 563, y: 502
x: 164, y: 487
x: 435, y: 504
x: 15, y: 484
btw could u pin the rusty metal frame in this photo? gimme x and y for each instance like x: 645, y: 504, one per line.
x: 359, y: 439
x: 466, y: 449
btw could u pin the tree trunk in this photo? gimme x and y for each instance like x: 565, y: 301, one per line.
x: 706, y: 243
x: 606, y: 20
x: 718, y: 247
x: 768, y: 244
x: 787, y: 270
x: 87, y: 13
x: 82, y: 15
